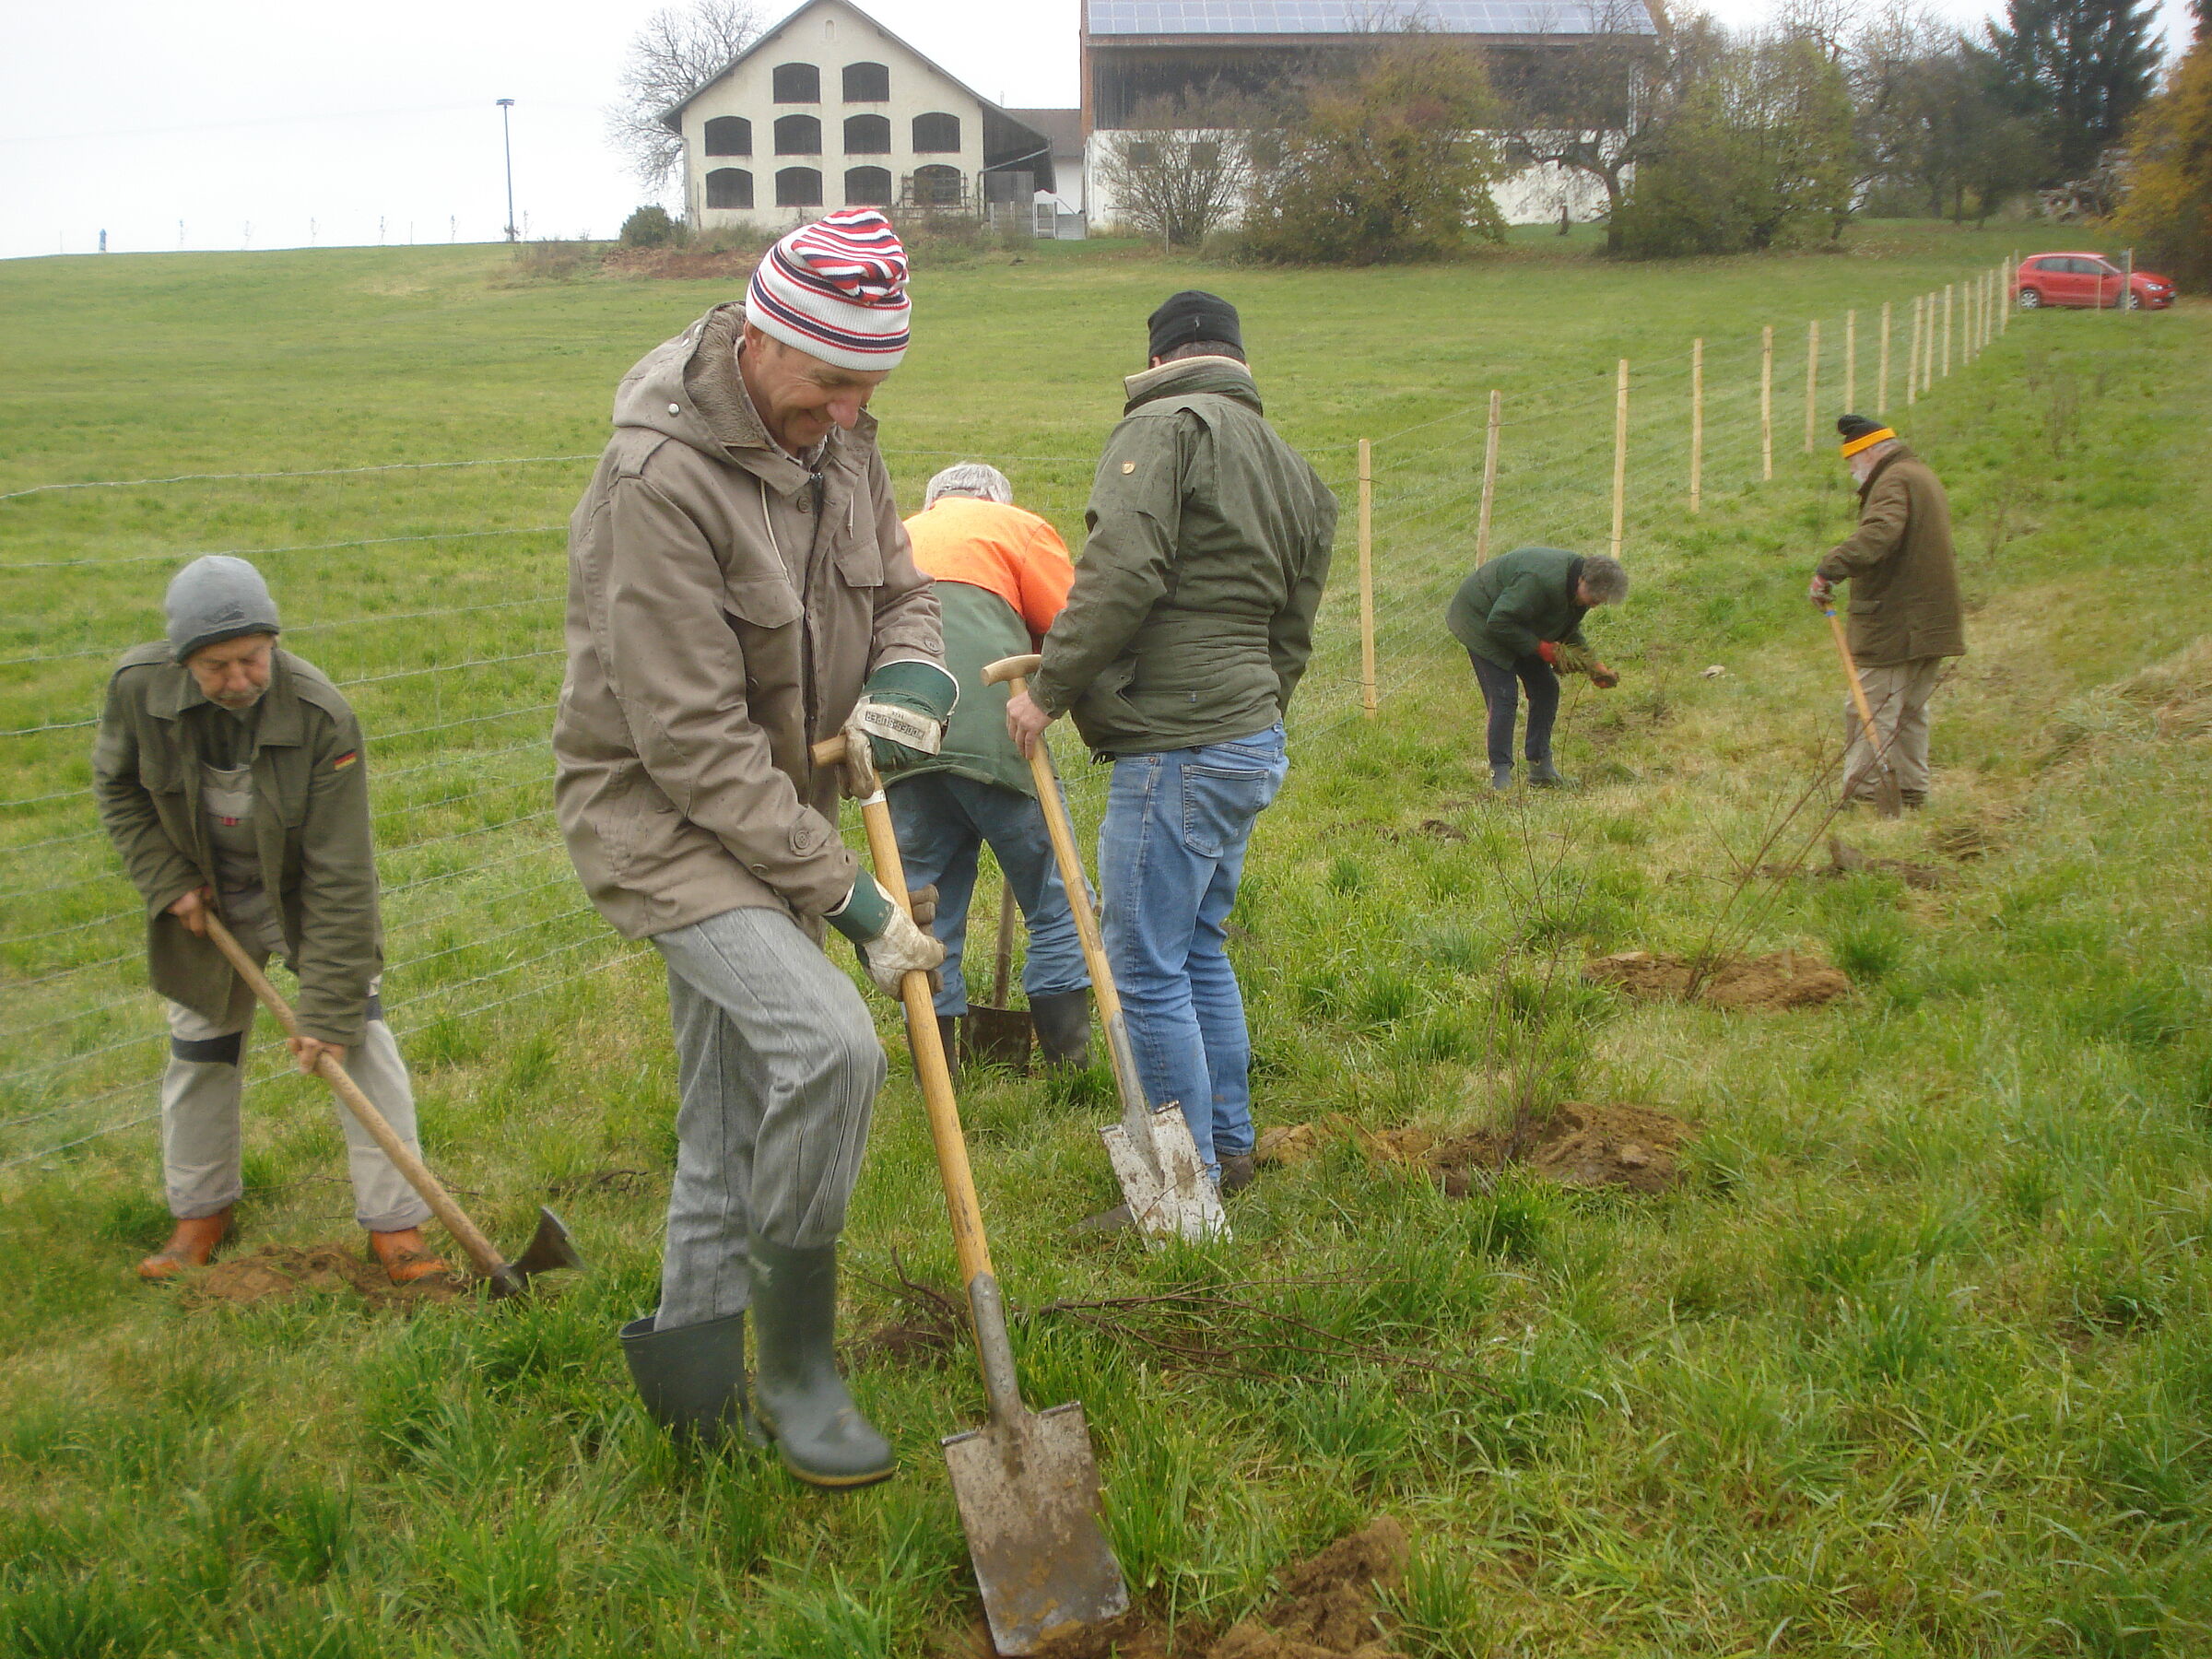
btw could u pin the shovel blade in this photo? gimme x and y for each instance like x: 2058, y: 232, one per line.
x: 1027, y: 1489
x: 998, y: 1037
x: 1163, y: 1181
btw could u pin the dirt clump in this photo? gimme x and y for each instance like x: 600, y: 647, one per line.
x: 1780, y: 980
x: 1330, y: 1609
x: 279, y: 1272
x: 1635, y: 1147
x: 1844, y: 860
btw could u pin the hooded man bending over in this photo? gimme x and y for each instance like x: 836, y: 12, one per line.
x: 740, y: 587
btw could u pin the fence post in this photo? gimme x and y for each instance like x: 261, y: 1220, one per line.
x: 1850, y: 359
x: 1766, y: 403
x: 1620, y: 455
x: 1489, y: 485
x: 1913, y: 359
x: 1946, y: 330
x: 2004, y: 293
x: 1812, y: 379
x: 1881, y: 384
x: 1697, y: 423
x: 1367, y: 579
x: 1927, y: 349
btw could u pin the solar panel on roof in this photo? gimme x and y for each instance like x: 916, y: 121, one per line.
x: 1351, y: 16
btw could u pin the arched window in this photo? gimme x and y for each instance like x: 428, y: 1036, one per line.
x: 936, y: 132
x: 867, y: 187
x: 938, y: 186
x: 798, y: 135
x: 867, y: 136
x: 798, y: 187
x: 729, y: 136
x: 729, y: 187
x: 797, y: 83
x: 868, y: 83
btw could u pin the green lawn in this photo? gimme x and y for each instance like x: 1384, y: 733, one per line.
x: 1915, y: 1363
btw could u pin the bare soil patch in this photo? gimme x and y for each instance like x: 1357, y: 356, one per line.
x: 680, y: 264
x: 1330, y: 1609
x: 1846, y: 860
x: 278, y: 1272
x: 1781, y: 980
x: 1575, y: 1144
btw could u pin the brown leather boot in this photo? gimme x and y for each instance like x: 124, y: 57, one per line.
x: 404, y: 1256
x: 190, y: 1246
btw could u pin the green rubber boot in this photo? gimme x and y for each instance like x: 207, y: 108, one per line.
x: 798, y: 1397
x: 691, y: 1378
x: 1063, y: 1022
x: 1543, y: 774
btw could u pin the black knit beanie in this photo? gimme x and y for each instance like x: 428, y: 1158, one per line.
x: 1194, y: 314
x: 1851, y: 428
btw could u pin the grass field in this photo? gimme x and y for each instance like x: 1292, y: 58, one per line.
x: 1916, y: 1361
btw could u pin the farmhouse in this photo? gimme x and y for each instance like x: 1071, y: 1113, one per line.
x: 829, y: 109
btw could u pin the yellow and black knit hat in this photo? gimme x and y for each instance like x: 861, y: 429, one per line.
x: 1860, y: 433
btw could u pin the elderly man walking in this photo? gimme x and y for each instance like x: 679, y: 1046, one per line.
x: 739, y: 588
x: 1520, y: 616
x: 1185, y: 633
x: 1905, y: 613
x: 230, y: 777
x: 1002, y: 575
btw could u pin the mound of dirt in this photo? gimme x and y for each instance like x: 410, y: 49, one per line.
x: 1576, y: 1144
x: 276, y: 1272
x: 1782, y: 979
x: 1330, y: 1609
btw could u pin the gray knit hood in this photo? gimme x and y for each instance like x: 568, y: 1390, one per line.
x: 214, y: 599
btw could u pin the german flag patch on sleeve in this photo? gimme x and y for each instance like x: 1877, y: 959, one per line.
x: 345, y: 759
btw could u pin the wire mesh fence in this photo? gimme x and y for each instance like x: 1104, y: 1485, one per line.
x: 432, y: 592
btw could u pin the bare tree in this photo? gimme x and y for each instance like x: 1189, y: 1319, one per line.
x: 679, y: 50
x: 1183, y: 167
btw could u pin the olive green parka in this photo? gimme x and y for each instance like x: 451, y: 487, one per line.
x: 1904, y: 580
x: 1518, y: 601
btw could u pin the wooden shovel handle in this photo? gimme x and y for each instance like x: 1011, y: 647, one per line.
x: 487, y: 1259
x: 1891, y: 804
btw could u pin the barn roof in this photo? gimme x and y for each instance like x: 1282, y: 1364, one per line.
x: 1157, y: 19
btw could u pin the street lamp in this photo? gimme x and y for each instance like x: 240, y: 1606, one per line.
x: 507, y: 144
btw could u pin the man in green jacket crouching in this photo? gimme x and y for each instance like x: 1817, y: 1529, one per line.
x: 1520, y: 618
x: 229, y: 776
x: 1189, y: 624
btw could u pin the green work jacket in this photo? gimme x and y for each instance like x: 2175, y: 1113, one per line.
x: 310, y: 824
x: 1208, y: 544
x: 980, y: 628
x: 1518, y: 601
x: 1904, y: 580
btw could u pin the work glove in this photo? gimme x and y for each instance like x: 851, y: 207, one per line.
x: 1603, y: 678
x: 902, y: 712
x: 891, y: 945
x: 1821, y: 592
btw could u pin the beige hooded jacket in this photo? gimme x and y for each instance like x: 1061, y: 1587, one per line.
x: 726, y: 604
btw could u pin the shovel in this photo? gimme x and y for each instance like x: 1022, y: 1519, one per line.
x: 1889, y: 800
x: 1153, y: 1154
x: 1027, y: 1482
x: 999, y: 1035
x: 549, y: 1249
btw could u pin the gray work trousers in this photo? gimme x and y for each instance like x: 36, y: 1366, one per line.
x: 200, y: 1134
x: 778, y: 1069
x: 1898, y: 693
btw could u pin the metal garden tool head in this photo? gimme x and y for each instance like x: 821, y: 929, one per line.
x: 1155, y: 1158
x: 991, y: 1032
x: 1027, y: 1483
x: 549, y: 1249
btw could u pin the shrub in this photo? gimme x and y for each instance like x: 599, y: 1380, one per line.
x: 650, y: 227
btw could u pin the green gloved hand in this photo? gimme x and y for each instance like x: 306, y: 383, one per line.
x: 903, y: 713
x: 891, y: 945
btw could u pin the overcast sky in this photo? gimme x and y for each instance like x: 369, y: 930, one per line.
x: 227, y: 124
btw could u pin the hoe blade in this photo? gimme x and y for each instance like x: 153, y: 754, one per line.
x: 1028, y: 1488
x: 549, y: 1250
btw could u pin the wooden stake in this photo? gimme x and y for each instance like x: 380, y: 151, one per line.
x: 1620, y: 455
x: 1927, y: 349
x: 1489, y: 484
x: 1850, y: 359
x: 1367, y: 578
x: 1697, y: 423
x: 1812, y: 380
x: 1766, y: 403
x: 1913, y: 359
x: 1881, y: 384
x: 2004, y: 282
x: 1946, y: 330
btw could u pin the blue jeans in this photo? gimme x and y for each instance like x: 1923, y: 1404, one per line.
x: 1170, y: 854
x: 943, y: 820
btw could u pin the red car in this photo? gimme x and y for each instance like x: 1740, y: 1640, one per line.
x: 2086, y: 280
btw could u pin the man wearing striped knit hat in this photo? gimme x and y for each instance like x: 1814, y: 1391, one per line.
x: 740, y: 587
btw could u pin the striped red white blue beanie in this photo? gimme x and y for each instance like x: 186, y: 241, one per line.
x: 836, y: 290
